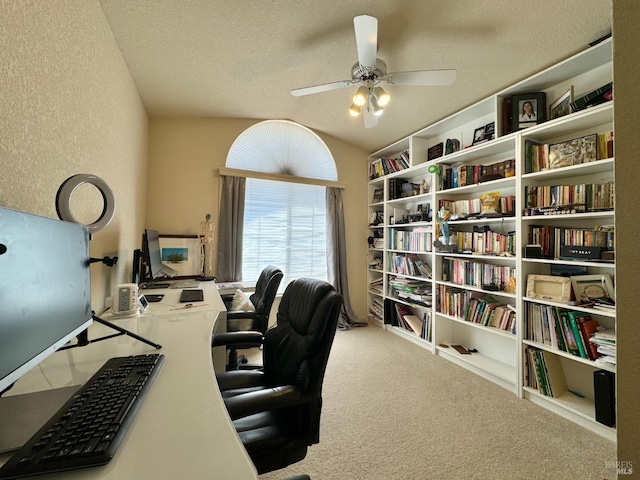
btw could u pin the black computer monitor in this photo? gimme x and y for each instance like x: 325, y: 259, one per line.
x: 45, y: 289
x: 152, y: 255
x: 148, y: 265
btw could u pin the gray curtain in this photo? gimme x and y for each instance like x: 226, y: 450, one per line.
x: 337, y: 257
x: 230, y: 229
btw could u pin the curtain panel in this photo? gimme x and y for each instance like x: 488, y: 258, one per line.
x: 337, y: 257
x: 231, y: 229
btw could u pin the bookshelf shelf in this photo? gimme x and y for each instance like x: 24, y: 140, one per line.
x: 570, y: 216
x: 570, y: 262
x: 600, y: 166
x: 571, y: 357
x: 480, y: 187
x: 591, y: 311
x: 498, y: 293
x: 491, y: 330
x: 459, y: 182
x: 497, y: 369
x: 579, y: 410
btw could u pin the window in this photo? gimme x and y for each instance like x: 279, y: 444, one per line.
x: 284, y: 225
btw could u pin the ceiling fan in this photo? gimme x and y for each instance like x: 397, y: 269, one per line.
x: 369, y: 71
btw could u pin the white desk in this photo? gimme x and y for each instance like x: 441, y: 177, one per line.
x: 182, y: 429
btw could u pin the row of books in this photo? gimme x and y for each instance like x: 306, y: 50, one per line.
x: 408, y: 264
x: 476, y: 274
x: 385, y: 166
x: 473, y: 206
x: 411, y: 290
x: 376, y: 286
x: 551, y: 238
x: 589, y: 148
x: 455, y: 176
x: 402, y: 188
x: 566, y: 330
x: 485, y: 243
x: 605, y: 342
x: 477, y: 308
x: 544, y: 372
x: 419, y: 239
x: 376, y: 309
x: 598, y: 96
x: 594, y: 196
x: 406, y: 319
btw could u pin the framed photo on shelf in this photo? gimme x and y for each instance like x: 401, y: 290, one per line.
x: 528, y: 109
x: 478, y: 136
x: 182, y: 253
x: 562, y: 106
x: 592, y: 286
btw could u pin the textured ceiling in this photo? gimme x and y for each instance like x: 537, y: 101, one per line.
x: 240, y: 59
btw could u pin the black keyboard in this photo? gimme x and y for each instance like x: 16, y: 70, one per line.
x: 191, y: 295
x: 88, y: 429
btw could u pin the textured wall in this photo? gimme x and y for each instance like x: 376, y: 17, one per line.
x: 627, y: 145
x: 69, y: 105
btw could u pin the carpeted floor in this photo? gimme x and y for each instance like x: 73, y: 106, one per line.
x: 392, y: 410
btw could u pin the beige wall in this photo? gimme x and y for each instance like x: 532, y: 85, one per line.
x: 69, y: 105
x: 184, y: 155
x: 626, y: 14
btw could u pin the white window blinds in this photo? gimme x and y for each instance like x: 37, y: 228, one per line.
x: 285, y: 226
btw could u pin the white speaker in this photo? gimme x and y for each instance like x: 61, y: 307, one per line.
x: 125, y: 299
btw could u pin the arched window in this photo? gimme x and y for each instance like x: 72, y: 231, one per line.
x: 284, y: 209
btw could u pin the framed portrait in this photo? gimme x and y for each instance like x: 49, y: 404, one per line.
x: 562, y: 106
x: 182, y: 253
x: 528, y: 109
x: 592, y: 286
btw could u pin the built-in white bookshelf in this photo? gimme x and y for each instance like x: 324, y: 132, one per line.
x: 406, y: 268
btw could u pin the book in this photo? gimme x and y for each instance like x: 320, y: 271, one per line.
x: 597, y: 96
x: 588, y: 327
x: 575, y: 318
x: 570, y: 339
x: 556, y: 382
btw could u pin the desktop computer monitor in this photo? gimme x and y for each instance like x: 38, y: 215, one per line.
x: 148, y: 264
x: 45, y: 289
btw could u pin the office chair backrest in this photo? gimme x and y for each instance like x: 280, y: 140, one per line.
x: 266, y: 289
x: 297, y: 349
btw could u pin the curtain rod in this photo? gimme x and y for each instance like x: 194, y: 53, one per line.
x: 233, y: 172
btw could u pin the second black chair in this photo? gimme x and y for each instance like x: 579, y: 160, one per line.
x: 251, y: 322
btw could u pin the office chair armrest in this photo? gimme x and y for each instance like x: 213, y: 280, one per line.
x: 244, y: 339
x: 242, y: 314
x: 237, y: 379
x: 263, y: 400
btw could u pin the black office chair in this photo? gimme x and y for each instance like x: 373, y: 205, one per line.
x: 257, y: 321
x: 276, y: 410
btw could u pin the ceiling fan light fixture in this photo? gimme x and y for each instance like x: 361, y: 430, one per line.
x: 374, y: 106
x: 360, y: 98
x: 381, y: 96
x: 354, y: 110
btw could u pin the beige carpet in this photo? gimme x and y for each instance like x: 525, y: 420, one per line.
x: 392, y: 410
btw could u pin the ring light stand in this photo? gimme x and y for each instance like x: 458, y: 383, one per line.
x: 63, y: 208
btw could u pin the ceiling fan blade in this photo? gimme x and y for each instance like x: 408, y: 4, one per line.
x: 366, y: 28
x: 298, y: 92
x: 370, y: 120
x: 422, y: 77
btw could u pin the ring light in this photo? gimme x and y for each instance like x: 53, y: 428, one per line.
x: 63, y: 200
